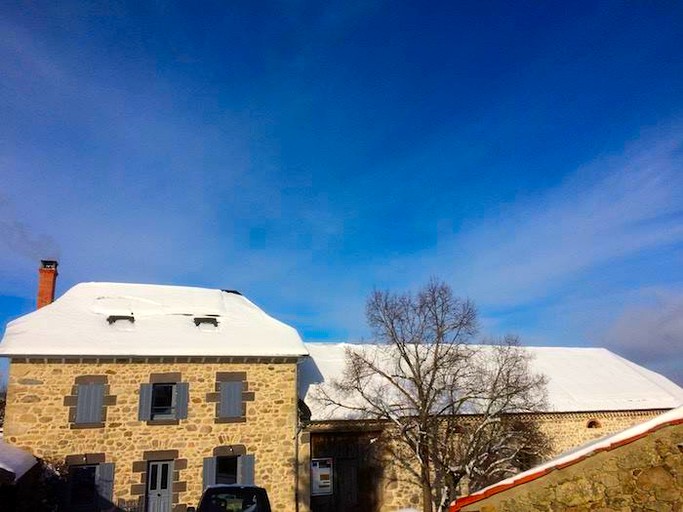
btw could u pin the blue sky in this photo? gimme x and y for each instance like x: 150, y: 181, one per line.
x: 530, y: 154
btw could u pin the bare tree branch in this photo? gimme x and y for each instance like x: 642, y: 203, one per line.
x: 448, y: 405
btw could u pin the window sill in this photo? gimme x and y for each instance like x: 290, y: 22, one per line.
x: 163, y: 422
x: 86, y: 425
x: 240, y: 419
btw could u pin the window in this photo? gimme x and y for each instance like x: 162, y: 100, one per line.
x: 593, y: 424
x: 90, y: 396
x: 162, y: 401
x: 91, y: 487
x: 226, y: 470
x: 83, y: 487
x: 229, y: 470
x: 89, y: 402
x: 231, y: 400
x: 231, y: 394
x: 236, y: 499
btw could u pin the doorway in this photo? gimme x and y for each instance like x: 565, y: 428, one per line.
x: 159, y: 486
x: 357, y: 471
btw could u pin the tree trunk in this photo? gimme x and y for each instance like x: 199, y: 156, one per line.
x: 425, y: 477
x: 426, y: 492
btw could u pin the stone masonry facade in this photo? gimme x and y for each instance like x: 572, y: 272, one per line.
x: 644, y: 475
x: 40, y: 409
x: 40, y: 413
x: 569, y: 430
x: 566, y: 430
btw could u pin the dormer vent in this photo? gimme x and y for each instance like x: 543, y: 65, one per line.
x: 204, y: 320
x: 114, y: 318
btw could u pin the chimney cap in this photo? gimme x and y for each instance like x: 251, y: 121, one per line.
x: 49, y: 264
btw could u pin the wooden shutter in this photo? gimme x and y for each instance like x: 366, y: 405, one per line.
x: 104, y: 479
x: 231, y: 399
x: 145, y: 405
x: 245, y: 469
x: 89, y: 403
x: 182, y: 391
x: 209, y: 472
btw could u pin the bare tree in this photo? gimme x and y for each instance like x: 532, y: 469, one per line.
x: 451, y: 409
x: 3, y: 401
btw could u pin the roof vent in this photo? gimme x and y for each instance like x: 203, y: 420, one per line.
x: 113, y: 318
x: 198, y: 320
x: 232, y: 291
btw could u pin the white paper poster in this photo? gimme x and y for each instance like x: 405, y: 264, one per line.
x: 321, y: 477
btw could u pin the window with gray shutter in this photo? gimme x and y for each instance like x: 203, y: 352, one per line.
x: 209, y: 471
x: 164, y: 401
x: 245, y: 469
x: 89, y: 403
x: 145, y: 405
x: 182, y: 390
x: 104, y: 481
x: 231, y: 399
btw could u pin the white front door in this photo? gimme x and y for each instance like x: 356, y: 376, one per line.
x: 159, y: 486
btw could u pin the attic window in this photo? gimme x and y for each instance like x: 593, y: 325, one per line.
x: 206, y: 320
x: 593, y: 424
x: 114, y: 318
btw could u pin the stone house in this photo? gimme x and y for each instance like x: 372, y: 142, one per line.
x: 640, y: 468
x: 148, y: 393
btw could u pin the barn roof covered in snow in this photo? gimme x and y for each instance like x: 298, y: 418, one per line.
x: 579, y: 380
x: 118, y: 319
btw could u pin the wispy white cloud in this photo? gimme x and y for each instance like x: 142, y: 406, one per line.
x: 559, y: 267
x: 651, y: 333
x: 613, y: 208
x: 575, y: 262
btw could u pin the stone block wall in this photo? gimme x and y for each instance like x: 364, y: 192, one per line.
x: 646, y: 474
x: 39, y: 406
x: 40, y: 401
x: 566, y: 431
x: 569, y: 430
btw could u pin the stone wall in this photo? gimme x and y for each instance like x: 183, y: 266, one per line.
x: 646, y: 474
x: 566, y: 430
x: 38, y: 420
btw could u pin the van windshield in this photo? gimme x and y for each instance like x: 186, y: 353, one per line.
x: 238, y: 499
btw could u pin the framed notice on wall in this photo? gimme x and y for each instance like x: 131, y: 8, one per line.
x: 322, y: 477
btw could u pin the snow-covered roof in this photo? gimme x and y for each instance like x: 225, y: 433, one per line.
x: 117, y: 319
x: 673, y: 417
x: 579, y: 379
x: 15, y: 460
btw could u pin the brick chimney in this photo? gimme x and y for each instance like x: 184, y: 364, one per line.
x: 47, y: 278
